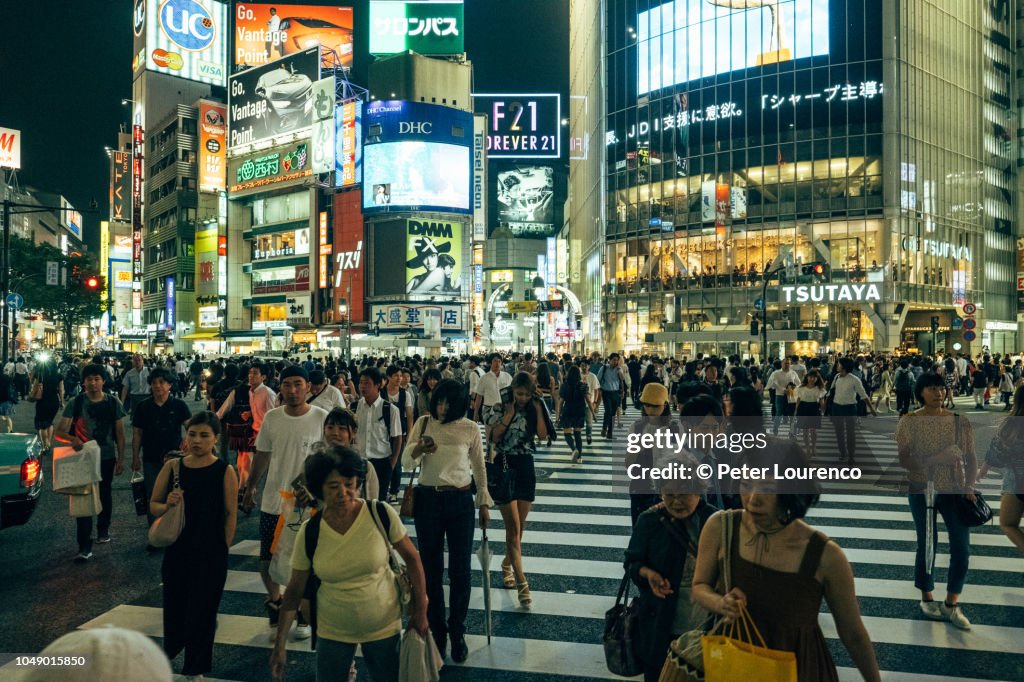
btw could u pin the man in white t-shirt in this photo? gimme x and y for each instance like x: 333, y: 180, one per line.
x: 593, y: 396
x: 380, y: 436
x: 285, y: 439
x: 322, y: 394
x: 488, y: 388
x: 779, y: 380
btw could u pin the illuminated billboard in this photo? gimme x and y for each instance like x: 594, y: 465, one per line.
x: 183, y: 38
x: 428, y: 27
x: 273, y: 100
x: 433, y: 257
x: 525, y: 200
x: 417, y: 156
x: 348, y: 143
x: 265, y: 32
x: 522, y: 126
x: 213, y: 129
x: 10, y: 148
x: 120, y: 187
x: 683, y: 40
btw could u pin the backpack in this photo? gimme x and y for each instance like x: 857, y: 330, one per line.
x: 904, y: 380
x: 980, y: 379
x: 72, y: 376
x: 312, y: 537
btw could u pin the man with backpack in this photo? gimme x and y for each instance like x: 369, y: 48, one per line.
x: 242, y: 413
x: 903, y: 382
x: 380, y: 427
x: 400, y: 398
x: 980, y: 384
x: 94, y: 415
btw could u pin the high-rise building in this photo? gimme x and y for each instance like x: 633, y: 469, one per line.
x: 844, y: 169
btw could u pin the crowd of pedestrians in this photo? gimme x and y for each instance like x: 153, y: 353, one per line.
x: 337, y: 436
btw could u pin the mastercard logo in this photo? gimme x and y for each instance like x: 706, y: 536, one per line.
x: 168, y: 60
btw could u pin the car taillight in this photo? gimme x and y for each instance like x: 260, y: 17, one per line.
x: 29, y: 472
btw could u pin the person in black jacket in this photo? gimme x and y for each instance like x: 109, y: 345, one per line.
x: 660, y: 560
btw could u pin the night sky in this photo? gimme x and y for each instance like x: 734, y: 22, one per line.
x: 67, y: 65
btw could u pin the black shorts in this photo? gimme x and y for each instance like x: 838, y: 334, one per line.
x: 521, y: 472
x: 268, y: 525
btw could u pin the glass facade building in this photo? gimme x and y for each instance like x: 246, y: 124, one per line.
x: 863, y: 153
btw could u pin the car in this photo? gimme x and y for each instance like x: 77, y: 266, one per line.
x: 289, y: 96
x: 21, y: 477
x: 305, y: 32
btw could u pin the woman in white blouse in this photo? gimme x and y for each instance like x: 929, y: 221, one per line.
x: 810, y: 397
x: 449, y: 449
x: 847, y: 388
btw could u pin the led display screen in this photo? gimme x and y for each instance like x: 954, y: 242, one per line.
x: 425, y: 175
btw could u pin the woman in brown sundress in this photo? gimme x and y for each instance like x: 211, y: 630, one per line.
x: 781, y: 569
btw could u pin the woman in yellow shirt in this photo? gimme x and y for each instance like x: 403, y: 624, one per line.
x: 357, y: 602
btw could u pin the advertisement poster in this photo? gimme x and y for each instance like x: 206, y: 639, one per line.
x: 1020, y: 274
x: 525, y: 200
x: 479, y: 178
x: 323, y: 126
x: 10, y: 148
x: 213, y: 130
x: 433, y: 257
x: 348, y: 143
x: 120, y: 187
x: 206, y: 261
x: 265, y: 32
x: 417, y: 156
x: 710, y: 37
x: 274, y: 99
x: 183, y: 38
x: 522, y: 126
x: 428, y: 27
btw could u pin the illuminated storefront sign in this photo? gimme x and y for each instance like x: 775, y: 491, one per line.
x: 522, y: 126
x: 291, y: 243
x: 429, y: 27
x: 169, y: 290
x: 271, y: 168
x: 120, y: 187
x: 934, y: 247
x: 400, y: 316
x: 138, y: 145
x: 348, y: 143
x: 832, y: 293
x: 212, y: 145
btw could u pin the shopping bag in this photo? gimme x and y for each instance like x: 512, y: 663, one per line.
x: 740, y: 653
x: 288, y: 524
x: 73, y: 468
x: 139, y: 494
x: 88, y: 504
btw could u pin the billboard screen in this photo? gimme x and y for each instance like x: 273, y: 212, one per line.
x: 213, y: 129
x: 522, y: 126
x: 417, y: 156
x: 433, y: 257
x: 428, y: 27
x: 348, y: 140
x: 265, y: 32
x: 183, y: 38
x: 271, y: 100
x: 10, y: 148
x: 120, y: 187
x: 525, y: 200
x: 683, y: 40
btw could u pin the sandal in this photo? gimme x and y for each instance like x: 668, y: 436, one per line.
x: 508, y: 577
x: 525, y: 600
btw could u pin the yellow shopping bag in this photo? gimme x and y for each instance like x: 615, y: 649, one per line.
x: 735, y: 654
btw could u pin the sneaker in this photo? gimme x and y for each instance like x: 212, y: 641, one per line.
x: 103, y: 539
x: 931, y: 610
x: 392, y: 498
x: 577, y: 457
x: 302, y: 628
x: 83, y: 557
x: 955, y: 615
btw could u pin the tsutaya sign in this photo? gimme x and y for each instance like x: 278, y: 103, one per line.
x: 934, y: 247
x: 831, y: 293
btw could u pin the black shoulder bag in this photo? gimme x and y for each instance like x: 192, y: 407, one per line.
x: 976, y: 513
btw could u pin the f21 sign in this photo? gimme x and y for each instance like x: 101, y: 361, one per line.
x: 522, y: 126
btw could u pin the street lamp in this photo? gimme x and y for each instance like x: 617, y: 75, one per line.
x: 346, y: 320
x: 538, y: 292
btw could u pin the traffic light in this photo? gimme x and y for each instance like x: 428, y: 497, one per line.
x: 813, y: 270
x: 92, y: 282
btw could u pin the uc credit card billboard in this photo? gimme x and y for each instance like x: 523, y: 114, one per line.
x: 268, y: 31
x: 183, y: 38
x: 416, y: 156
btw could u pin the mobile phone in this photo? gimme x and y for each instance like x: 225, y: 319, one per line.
x: 427, y: 441
x: 506, y: 394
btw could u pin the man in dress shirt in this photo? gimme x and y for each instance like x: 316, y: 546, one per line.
x: 322, y: 394
x: 488, y: 388
x: 135, y: 387
x: 779, y: 380
x: 380, y: 437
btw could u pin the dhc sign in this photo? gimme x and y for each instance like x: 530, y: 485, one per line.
x: 832, y: 293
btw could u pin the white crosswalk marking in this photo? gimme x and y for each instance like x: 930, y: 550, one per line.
x: 573, y: 556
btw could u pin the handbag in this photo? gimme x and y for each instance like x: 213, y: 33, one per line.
x: 621, y: 626
x: 740, y: 653
x: 398, y: 569
x: 139, y: 495
x: 167, y: 528
x: 408, y: 505
x: 973, y: 514
x: 500, y: 484
x: 685, y: 660
x: 86, y: 504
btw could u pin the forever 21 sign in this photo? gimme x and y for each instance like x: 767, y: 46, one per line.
x: 522, y: 126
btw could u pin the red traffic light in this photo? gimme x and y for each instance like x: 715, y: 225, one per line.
x: 819, y: 269
x: 92, y: 283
